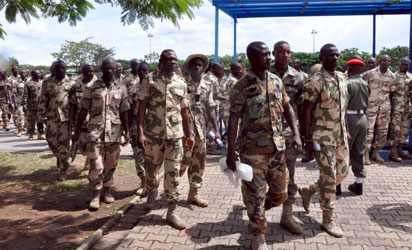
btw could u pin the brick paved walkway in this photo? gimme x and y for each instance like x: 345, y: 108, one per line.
x: 380, y: 219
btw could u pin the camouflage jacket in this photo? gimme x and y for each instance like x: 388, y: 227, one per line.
x: 200, y: 99
x: 229, y: 83
x: 260, y: 106
x: 381, y: 85
x: 54, y: 99
x: 165, y: 98
x: 400, y: 97
x: 330, y: 95
x: 129, y: 81
x: 18, y: 90
x: 135, y: 89
x: 31, y: 96
x: 3, y: 88
x: 76, y: 95
x: 211, y: 79
x: 105, y: 106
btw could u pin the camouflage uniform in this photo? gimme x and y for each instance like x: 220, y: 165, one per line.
x: 164, y: 130
x: 4, y: 102
x: 261, y: 144
x: 31, y: 98
x: 104, y: 129
x: 75, y: 97
x: 293, y: 83
x: 329, y: 131
x: 230, y: 82
x: 200, y: 100
x: 401, y: 109
x: 18, y: 91
x: 54, y: 110
x: 210, y: 78
x: 129, y: 81
x: 379, y: 106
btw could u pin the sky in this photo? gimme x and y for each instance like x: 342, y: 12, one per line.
x: 33, y: 44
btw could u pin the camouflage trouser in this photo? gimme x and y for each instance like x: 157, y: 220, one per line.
x: 5, y: 112
x: 196, y: 161
x: 291, y: 154
x: 138, y: 156
x: 169, y: 152
x: 378, y: 123
x: 18, y: 118
x: 82, y: 147
x: 31, y: 115
x: 268, y: 169
x: 333, y: 163
x: 400, y: 123
x: 58, y: 138
x: 103, y: 158
x: 405, y: 124
x: 358, y: 127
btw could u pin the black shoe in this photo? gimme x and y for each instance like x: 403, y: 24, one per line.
x: 356, y: 188
x: 306, y: 159
x: 338, y: 190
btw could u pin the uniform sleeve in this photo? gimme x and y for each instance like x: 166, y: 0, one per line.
x: 285, y: 97
x: 312, y: 89
x: 300, y: 82
x: 183, y: 101
x: 210, y: 101
x: 394, y: 83
x: 144, y: 93
x: 237, y: 101
x: 124, y: 104
x: 87, y: 98
x: 43, y: 103
x: 25, y: 94
x: 72, y: 95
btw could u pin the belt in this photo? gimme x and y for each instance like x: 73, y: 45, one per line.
x: 355, y: 112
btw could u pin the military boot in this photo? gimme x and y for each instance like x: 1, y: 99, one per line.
x: 95, y: 201
x: 259, y: 242
x: 62, y: 176
x: 288, y: 222
x: 142, y: 190
x: 195, y: 199
x: 107, y: 196
x: 151, y: 198
x: 86, y: 164
x: 41, y: 137
x: 402, y: 154
x: 376, y: 156
x: 367, y: 160
x: 1, y: 123
x: 30, y: 137
x: 394, y: 155
x: 329, y: 224
x: 18, y: 134
x: 338, y: 190
x: 183, y: 168
x: 172, y: 218
x: 356, y: 188
x: 6, y: 126
x: 307, y: 193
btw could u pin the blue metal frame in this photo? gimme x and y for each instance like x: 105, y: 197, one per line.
x: 294, y: 8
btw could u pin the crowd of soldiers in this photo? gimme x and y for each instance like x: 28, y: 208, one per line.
x: 167, y: 115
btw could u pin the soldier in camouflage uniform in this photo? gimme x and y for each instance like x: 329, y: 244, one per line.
x: 31, y: 98
x: 163, y: 94
x: 105, y: 100
x: 18, y: 91
x: 258, y: 100
x: 86, y: 79
x: 371, y: 63
x: 324, y: 128
x: 13, y: 79
x: 381, y: 81
x: 235, y: 75
x: 401, y: 111
x: 5, y: 99
x: 54, y: 110
x: 201, y: 106
x: 297, y: 64
x: 119, y: 72
x: 293, y: 83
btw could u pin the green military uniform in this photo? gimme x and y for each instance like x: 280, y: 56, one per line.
x: 293, y: 83
x: 31, y: 98
x: 200, y: 99
x: 18, y: 91
x: 259, y: 103
x: 164, y: 130
x: 379, y: 106
x: 129, y: 81
x: 401, y: 109
x: 211, y: 79
x: 54, y: 110
x: 329, y: 131
x: 4, y: 102
x: 358, y: 92
x: 104, y: 129
x: 230, y: 82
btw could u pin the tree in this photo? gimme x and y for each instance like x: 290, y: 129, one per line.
x: 76, y: 53
x: 74, y: 11
x: 151, y: 58
x: 395, y: 53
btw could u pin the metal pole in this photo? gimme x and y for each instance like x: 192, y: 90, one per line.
x: 234, y: 39
x: 150, y: 47
x: 216, y: 34
x: 374, y: 36
x: 314, y: 32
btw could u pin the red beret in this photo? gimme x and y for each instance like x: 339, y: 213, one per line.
x: 355, y: 62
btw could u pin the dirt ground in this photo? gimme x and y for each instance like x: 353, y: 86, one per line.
x: 38, y: 212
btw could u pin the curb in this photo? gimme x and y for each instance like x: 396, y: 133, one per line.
x: 98, y: 234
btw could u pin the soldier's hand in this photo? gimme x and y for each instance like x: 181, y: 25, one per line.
x: 142, y: 142
x: 309, y: 148
x: 348, y: 134
x: 75, y: 137
x: 126, y: 139
x: 231, y: 159
x: 297, y: 143
x: 189, y: 143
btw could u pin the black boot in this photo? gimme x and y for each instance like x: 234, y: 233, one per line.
x: 356, y: 188
x: 338, y: 190
x: 306, y: 159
